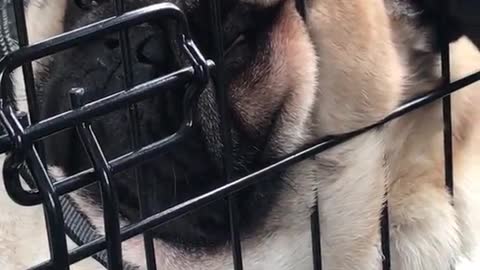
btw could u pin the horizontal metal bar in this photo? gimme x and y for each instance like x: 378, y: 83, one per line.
x: 122, y: 163
x: 103, y: 106
x: 155, y: 12
x: 117, y: 165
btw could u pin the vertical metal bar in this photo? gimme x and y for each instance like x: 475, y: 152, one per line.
x: 447, y: 102
x: 52, y: 207
x: 53, y: 213
x: 385, y: 238
x: 103, y: 171
x: 223, y: 102
x: 27, y: 69
x: 134, y: 129
x: 125, y: 46
x: 315, y: 217
x: 21, y: 25
x: 316, y: 238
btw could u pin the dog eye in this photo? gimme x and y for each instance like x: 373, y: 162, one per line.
x: 238, y: 41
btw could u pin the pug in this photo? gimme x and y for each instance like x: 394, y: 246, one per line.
x: 290, y: 80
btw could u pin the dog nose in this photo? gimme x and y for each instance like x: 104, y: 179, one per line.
x: 155, y: 57
x: 153, y: 51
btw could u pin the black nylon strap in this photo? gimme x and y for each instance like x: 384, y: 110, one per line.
x: 8, y: 40
x: 81, y: 230
x: 77, y: 225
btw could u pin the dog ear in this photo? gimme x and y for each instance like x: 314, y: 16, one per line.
x: 460, y: 16
x: 467, y: 13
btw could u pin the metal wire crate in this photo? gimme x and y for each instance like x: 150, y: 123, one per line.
x: 23, y: 134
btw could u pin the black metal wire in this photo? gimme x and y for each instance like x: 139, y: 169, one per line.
x: 103, y: 173
x: 99, y: 107
x: 53, y: 213
x: 21, y: 137
x: 447, y: 101
x: 385, y: 236
x: 134, y: 128
x: 225, y: 120
x: 316, y: 238
x: 52, y: 207
x: 301, y: 7
x: 22, y: 33
x: 116, y: 101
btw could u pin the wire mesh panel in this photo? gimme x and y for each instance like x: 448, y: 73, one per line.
x: 24, y: 134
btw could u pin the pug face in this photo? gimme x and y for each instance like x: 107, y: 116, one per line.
x: 269, y: 83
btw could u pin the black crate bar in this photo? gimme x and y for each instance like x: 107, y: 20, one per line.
x: 27, y: 68
x: 52, y: 212
x: 385, y: 237
x: 97, y: 108
x: 46, y: 127
x: 104, y: 175
x: 447, y: 101
x: 134, y: 136
x: 301, y: 7
x: 223, y: 102
x: 81, y: 114
x: 21, y: 136
x: 444, y: 36
x: 316, y: 238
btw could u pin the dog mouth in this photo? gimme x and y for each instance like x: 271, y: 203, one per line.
x: 179, y: 176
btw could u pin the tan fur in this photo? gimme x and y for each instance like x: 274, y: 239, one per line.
x: 360, y: 82
x: 420, y: 205
x: 345, y: 69
x: 360, y: 73
x: 23, y: 241
x: 44, y: 20
x: 354, y: 91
